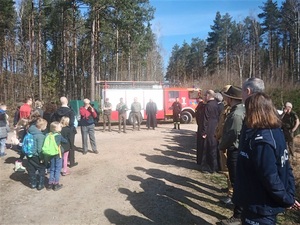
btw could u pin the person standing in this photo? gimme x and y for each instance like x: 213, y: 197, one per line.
x: 106, y: 114
x: 122, y: 108
x: 34, y: 162
x: 231, y: 132
x: 290, y: 123
x: 250, y: 86
x: 25, y: 109
x: 207, y: 132
x: 64, y: 110
x: 199, y: 115
x: 151, y: 110
x: 265, y: 184
x: 87, y: 121
x: 4, y: 129
x: 39, y: 107
x: 176, y: 107
x: 136, y: 113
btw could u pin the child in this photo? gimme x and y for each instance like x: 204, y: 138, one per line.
x: 4, y: 129
x: 35, y: 161
x: 20, y: 133
x: 66, y: 133
x: 55, y: 161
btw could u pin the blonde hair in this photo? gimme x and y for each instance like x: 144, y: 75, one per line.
x: 65, y: 121
x: 38, y: 104
x: 41, y: 124
x: 55, y: 127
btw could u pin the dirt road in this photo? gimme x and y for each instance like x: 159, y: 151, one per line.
x: 146, y: 177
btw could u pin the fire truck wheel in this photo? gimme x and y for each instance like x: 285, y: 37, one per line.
x: 186, y: 117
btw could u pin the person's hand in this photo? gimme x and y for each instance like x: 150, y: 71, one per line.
x: 296, y: 206
x: 204, y: 136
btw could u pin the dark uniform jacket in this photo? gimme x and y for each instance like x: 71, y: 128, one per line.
x: 264, y: 184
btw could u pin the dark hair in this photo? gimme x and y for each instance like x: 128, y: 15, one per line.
x: 261, y: 112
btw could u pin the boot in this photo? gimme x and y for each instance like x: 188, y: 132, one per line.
x: 41, y: 184
x: 32, y: 181
x: 178, y: 125
x: 174, y: 126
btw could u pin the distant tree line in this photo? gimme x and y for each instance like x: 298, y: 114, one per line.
x: 265, y: 46
x: 50, y: 48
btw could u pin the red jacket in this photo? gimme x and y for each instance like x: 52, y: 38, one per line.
x: 25, y: 111
x: 87, y: 116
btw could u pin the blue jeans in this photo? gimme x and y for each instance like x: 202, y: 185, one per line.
x: 85, y: 131
x: 55, y: 168
x: 2, y: 145
x: 250, y: 218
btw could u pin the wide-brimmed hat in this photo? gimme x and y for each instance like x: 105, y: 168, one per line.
x: 233, y: 92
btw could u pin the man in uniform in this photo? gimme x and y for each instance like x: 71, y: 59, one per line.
x: 176, y: 107
x: 106, y: 114
x: 122, y: 108
x: 290, y: 123
x: 136, y: 113
x: 231, y: 133
x: 151, y: 110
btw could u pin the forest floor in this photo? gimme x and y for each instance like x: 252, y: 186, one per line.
x: 146, y: 177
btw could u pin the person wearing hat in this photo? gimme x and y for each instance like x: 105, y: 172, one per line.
x: 290, y: 123
x: 87, y: 121
x: 230, y: 138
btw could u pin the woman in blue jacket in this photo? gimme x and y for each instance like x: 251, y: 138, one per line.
x: 265, y: 184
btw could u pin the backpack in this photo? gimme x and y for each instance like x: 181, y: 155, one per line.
x: 28, y: 145
x: 50, y: 147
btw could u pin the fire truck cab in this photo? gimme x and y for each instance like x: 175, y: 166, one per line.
x: 146, y: 90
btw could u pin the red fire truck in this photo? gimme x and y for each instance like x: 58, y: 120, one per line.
x: 146, y: 90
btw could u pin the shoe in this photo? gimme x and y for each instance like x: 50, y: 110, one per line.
x: 75, y: 164
x: 125, y: 132
x: 57, y: 187
x: 231, y: 221
x: 49, y: 187
x: 65, y: 173
x: 119, y: 131
x: 96, y: 152
x: 226, y: 201
x: 20, y: 170
x: 84, y: 152
x: 40, y: 187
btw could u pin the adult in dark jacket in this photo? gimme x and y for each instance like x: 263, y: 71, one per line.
x: 64, y: 110
x: 264, y: 183
x: 176, y: 107
x: 199, y: 115
x: 151, y: 110
x: 207, y: 132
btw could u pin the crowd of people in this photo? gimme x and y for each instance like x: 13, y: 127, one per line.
x: 241, y: 134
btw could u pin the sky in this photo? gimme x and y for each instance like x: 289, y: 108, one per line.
x: 178, y: 21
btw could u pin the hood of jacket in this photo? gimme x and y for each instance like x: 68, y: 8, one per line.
x: 33, y: 130
x: 63, y: 111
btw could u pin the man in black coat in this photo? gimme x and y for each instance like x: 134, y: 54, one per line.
x: 151, y: 110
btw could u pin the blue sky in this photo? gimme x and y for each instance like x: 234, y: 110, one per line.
x: 177, y: 21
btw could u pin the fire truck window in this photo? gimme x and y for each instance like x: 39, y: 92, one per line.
x: 174, y: 94
x: 193, y: 94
